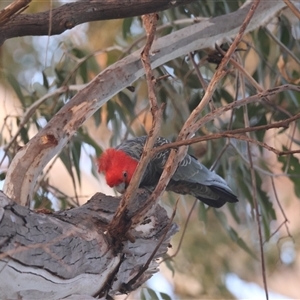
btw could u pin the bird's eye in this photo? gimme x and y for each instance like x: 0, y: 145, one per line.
x: 124, y: 174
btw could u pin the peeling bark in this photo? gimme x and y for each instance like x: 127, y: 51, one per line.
x: 68, y: 253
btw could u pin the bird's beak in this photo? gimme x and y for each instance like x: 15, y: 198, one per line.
x: 120, y: 187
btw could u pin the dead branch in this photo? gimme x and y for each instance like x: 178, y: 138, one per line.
x: 12, y: 10
x: 150, y: 22
x: 293, y: 8
x: 56, y: 255
x: 236, y: 133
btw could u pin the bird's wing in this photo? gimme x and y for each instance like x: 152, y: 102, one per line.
x: 159, y: 159
x: 193, y: 178
x: 191, y: 170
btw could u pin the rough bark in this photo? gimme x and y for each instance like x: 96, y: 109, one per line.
x: 72, y: 14
x: 68, y: 253
x: 12, y: 10
x: 30, y: 160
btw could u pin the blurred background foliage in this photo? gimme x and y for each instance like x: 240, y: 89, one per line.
x: 217, y: 242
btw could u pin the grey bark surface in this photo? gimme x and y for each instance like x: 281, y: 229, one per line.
x: 70, y: 253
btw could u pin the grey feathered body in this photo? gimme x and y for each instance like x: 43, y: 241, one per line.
x: 191, y: 177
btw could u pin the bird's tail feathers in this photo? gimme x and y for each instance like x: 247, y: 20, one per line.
x: 224, y: 194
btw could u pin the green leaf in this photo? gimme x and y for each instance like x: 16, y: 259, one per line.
x: 169, y: 264
x: 243, y: 183
x: 264, y: 41
x: 60, y: 76
x: 111, y: 111
x: 76, y: 152
x: 285, y: 34
x: 16, y: 87
x: 165, y: 296
x: 24, y: 135
x: 65, y: 158
x: 240, y: 242
x: 222, y: 218
x: 232, y: 208
x: 83, y: 136
x: 152, y: 293
x: 293, y: 169
x: 97, y: 117
x: 202, y: 212
x: 167, y: 30
x: 94, y: 169
x: 126, y: 27
x: 45, y: 81
x: 225, y: 95
x: 194, y: 101
x: 121, y: 113
x: 2, y: 176
x: 127, y: 103
x: 232, y: 233
x: 83, y: 70
x: 193, y: 82
x: 143, y: 295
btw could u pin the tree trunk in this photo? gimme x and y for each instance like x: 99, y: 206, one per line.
x: 71, y: 253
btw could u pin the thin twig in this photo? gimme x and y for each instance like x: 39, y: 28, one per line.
x: 293, y: 8
x: 201, y: 80
x: 265, y: 100
x: 262, y: 171
x: 49, y: 32
x: 281, y: 45
x: 216, y: 161
x: 254, y: 193
x: 149, y: 22
x: 70, y: 199
x: 12, y: 10
x: 257, y: 86
x: 285, y: 221
x: 257, y: 215
x: 235, y: 133
x: 183, y: 231
x: 189, y: 129
x: 28, y: 114
x: 198, y: 73
x: 146, y: 266
x: 252, y: 99
x: 150, y: 26
x: 80, y: 61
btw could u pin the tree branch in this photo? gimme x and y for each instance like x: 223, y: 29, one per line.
x: 56, y: 255
x: 150, y: 22
x: 72, y: 14
x: 293, y: 8
x: 235, y: 132
x: 12, y: 10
